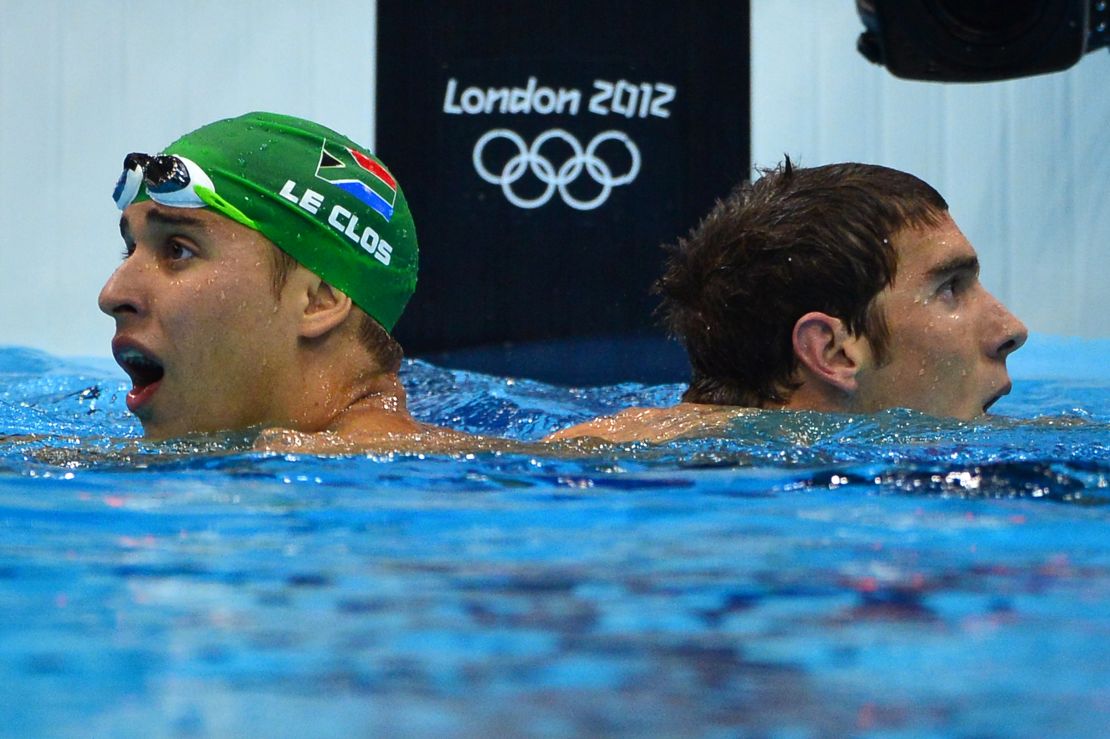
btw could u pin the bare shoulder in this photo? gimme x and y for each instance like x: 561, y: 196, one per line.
x: 369, y: 428
x: 655, y: 424
x: 421, y: 439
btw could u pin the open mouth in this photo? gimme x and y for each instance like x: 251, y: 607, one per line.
x: 145, y: 371
x: 142, y: 369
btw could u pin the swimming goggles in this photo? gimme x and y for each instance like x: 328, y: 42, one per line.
x: 174, y: 181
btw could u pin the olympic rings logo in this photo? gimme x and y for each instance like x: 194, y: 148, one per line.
x: 529, y: 159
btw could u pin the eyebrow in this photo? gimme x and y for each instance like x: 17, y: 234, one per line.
x: 159, y: 217
x: 965, y: 263
x: 172, y: 218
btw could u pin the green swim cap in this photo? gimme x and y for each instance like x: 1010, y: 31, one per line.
x: 316, y: 195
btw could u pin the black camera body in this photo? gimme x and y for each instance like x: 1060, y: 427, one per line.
x: 980, y: 40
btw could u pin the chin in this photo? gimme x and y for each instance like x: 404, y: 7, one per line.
x: 156, y: 433
x: 154, y: 430
x: 967, y: 414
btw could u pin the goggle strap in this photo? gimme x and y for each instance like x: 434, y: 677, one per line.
x: 218, y: 203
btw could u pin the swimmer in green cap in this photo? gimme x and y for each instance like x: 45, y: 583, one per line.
x: 267, y: 259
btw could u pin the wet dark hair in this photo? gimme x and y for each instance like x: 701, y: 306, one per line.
x: 371, y: 334
x: 794, y: 241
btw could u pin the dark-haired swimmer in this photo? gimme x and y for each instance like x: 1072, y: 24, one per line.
x: 842, y: 288
x: 266, y: 260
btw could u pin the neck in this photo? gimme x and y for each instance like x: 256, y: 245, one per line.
x: 813, y: 395
x: 339, y: 387
x: 377, y: 405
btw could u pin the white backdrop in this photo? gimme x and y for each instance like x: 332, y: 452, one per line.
x: 1024, y: 164
x: 84, y: 82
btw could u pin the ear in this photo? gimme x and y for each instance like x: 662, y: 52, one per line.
x: 325, y: 309
x: 828, y: 352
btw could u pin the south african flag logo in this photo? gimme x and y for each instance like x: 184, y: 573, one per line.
x: 354, y: 172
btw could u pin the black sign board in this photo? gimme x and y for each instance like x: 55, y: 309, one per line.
x: 548, y: 149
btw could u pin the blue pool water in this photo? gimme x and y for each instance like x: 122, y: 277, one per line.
x: 799, y: 576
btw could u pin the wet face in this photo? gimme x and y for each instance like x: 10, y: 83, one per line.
x: 207, y: 343
x: 949, y: 337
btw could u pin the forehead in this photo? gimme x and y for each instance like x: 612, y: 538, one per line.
x: 920, y: 251
x: 151, y: 216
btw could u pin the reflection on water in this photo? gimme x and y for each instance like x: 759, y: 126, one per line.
x: 803, y: 573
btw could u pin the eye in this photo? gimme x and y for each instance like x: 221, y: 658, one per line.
x: 952, y: 288
x: 179, y: 250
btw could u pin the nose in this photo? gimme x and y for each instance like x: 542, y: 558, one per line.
x: 1009, y: 335
x: 123, y: 293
